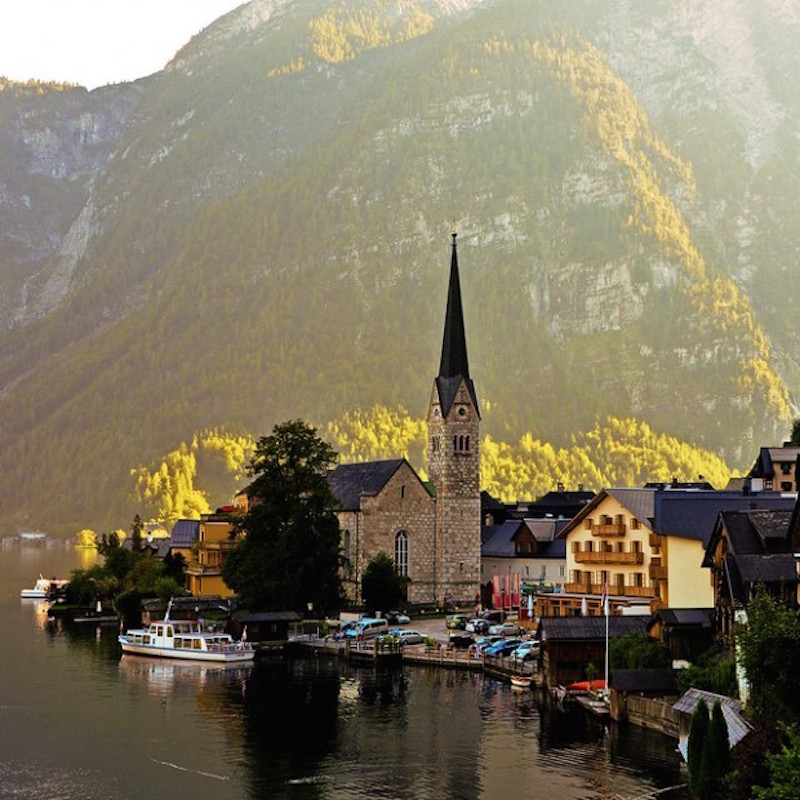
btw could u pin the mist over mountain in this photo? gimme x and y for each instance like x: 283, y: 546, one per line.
x: 261, y: 232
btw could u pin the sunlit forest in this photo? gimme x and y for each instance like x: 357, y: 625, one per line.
x: 199, y: 476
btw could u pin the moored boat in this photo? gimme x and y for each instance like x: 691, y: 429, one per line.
x: 43, y: 588
x: 522, y: 681
x: 186, y: 640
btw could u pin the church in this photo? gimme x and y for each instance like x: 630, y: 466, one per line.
x: 432, y: 530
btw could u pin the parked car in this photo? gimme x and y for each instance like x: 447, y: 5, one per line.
x: 480, y: 644
x: 478, y: 625
x: 461, y: 640
x: 505, y: 629
x: 407, y: 636
x: 397, y: 618
x: 456, y: 621
x: 503, y: 648
x: 526, y: 651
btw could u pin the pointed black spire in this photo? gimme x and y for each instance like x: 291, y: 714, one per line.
x: 454, y: 345
x: 454, y: 366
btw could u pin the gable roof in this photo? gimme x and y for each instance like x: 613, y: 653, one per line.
x: 768, y: 456
x: 350, y: 481
x: 638, y: 501
x: 738, y: 726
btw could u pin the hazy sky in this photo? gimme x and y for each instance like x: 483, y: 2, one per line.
x: 95, y: 42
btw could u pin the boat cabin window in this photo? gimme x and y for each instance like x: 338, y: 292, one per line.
x: 170, y: 632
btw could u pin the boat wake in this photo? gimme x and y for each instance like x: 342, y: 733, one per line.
x: 193, y: 771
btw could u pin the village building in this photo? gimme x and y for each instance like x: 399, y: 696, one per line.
x: 385, y: 507
x: 775, y: 469
x: 646, y: 548
x: 752, y: 548
x: 519, y: 558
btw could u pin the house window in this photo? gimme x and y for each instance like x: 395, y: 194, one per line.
x: 636, y: 547
x: 634, y: 524
x: 786, y: 486
x: 587, y: 523
x: 401, y: 553
x: 576, y: 547
x: 402, y: 492
x: 786, y: 468
x: 561, y: 571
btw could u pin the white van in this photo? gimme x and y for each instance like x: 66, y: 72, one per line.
x: 369, y: 628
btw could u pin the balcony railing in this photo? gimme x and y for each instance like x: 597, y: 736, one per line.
x: 656, y: 540
x: 614, y: 590
x: 608, y: 529
x: 658, y: 572
x: 607, y: 557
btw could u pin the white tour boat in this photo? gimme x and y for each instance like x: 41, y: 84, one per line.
x: 187, y: 640
x: 43, y: 588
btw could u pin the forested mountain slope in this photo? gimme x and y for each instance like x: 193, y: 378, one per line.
x: 261, y: 232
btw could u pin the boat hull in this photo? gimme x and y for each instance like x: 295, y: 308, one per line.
x: 224, y: 657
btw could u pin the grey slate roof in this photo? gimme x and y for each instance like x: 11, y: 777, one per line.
x: 652, y: 681
x: 640, y: 502
x: 684, y: 617
x: 350, y: 481
x: 589, y: 628
x: 779, y: 568
x: 499, y: 542
x: 185, y: 532
x: 738, y: 727
x: 692, y: 515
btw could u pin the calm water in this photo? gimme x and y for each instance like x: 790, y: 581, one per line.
x: 79, y: 721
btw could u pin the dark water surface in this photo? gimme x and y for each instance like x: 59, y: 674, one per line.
x: 79, y: 721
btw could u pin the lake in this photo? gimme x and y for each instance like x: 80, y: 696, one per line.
x: 78, y: 721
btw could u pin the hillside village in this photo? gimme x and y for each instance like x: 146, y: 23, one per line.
x: 682, y: 558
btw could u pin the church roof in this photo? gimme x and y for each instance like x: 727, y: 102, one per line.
x: 454, y: 365
x: 350, y: 481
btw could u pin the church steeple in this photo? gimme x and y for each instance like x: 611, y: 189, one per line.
x: 454, y: 366
x: 454, y: 461
x: 454, y: 362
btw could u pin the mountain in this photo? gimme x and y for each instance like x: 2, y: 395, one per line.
x: 261, y: 232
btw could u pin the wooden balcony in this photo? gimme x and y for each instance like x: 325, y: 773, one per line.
x: 607, y: 557
x: 656, y: 540
x: 613, y: 590
x: 609, y: 529
x: 658, y: 572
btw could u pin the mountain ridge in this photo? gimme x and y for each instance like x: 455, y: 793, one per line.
x: 257, y: 242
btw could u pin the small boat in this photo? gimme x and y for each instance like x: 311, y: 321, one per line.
x: 584, y: 687
x: 522, y: 681
x: 186, y: 640
x: 44, y: 588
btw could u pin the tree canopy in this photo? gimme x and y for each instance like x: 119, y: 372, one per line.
x: 288, y: 554
x: 382, y: 587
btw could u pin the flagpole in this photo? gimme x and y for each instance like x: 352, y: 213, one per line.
x: 606, y: 664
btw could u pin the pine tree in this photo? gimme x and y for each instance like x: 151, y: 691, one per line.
x: 698, y: 728
x: 717, y: 751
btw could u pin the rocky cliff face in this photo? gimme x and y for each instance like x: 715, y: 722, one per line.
x: 56, y: 142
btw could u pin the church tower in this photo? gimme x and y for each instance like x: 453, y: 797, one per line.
x: 454, y: 460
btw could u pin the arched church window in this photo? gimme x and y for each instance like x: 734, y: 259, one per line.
x: 455, y: 444
x: 401, y: 553
x: 466, y: 443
